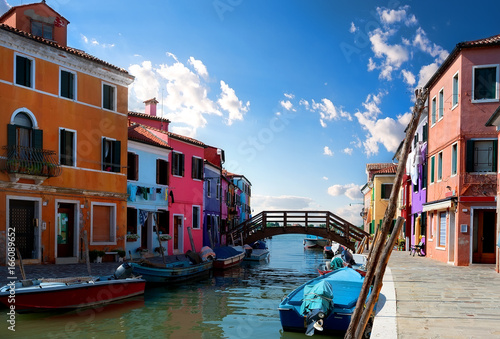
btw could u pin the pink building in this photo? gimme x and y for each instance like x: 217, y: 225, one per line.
x: 185, y: 181
x: 462, y: 155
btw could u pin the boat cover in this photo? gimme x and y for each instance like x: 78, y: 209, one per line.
x: 225, y: 252
x: 317, y: 296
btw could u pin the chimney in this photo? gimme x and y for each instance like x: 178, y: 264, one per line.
x: 151, y: 107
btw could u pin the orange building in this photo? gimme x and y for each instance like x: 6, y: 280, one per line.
x: 64, y: 153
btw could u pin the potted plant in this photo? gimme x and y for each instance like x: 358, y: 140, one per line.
x: 96, y: 256
x: 13, y: 165
x: 165, y: 237
x: 121, y: 255
x: 141, y: 250
x: 132, y: 237
x: 159, y: 249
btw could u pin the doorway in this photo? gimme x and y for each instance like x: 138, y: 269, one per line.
x: 178, y: 234
x: 65, y: 230
x: 484, y: 237
x: 22, y: 220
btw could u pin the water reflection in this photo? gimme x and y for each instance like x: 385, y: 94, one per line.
x: 238, y: 303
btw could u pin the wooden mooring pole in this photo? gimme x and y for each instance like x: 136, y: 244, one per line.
x: 356, y: 326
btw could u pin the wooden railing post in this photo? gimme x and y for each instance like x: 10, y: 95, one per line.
x: 284, y: 220
x: 306, y: 220
x: 264, y: 221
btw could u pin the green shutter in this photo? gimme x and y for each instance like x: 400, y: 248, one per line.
x: 117, y: 156
x: 37, y: 139
x: 382, y: 191
x: 432, y: 169
x: 470, y: 156
x: 11, y: 136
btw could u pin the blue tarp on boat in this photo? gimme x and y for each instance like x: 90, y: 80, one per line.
x: 317, y: 296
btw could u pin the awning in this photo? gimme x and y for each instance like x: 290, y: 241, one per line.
x: 438, y: 205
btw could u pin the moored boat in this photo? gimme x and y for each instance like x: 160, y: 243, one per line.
x: 227, y: 257
x: 179, y: 268
x: 313, y: 241
x: 71, y: 292
x: 325, y: 303
x: 357, y: 263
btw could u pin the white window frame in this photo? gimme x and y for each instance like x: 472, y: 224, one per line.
x: 114, y: 108
x: 440, y: 245
x: 454, y: 155
x: 439, y: 167
x: 433, y: 112
x: 174, y: 164
x: 74, y: 145
x: 61, y: 69
x: 431, y: 224
x: 473, y: 100
x: 102, y: 154
x: 455, y: 95
x: 112, y: 222
x: 440, y: 105
x: 199, y: 217
x: 32, y: 75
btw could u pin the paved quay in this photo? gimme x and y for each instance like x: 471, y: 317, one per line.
x: 424, y: 298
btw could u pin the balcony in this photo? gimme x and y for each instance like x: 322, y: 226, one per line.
x: 29, y: 163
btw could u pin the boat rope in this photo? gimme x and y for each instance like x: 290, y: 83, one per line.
x: 316, y: 295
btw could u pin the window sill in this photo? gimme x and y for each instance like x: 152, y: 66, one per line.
x: 439, y: 248
x: 483, y: 101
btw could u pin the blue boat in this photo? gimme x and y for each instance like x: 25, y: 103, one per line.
x: 313, y: 241
x: 182, y: 268
x: 325, y: 303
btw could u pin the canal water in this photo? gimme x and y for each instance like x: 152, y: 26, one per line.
x: 238, y: 303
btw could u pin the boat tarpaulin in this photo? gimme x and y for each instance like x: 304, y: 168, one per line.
x: 317, y: 296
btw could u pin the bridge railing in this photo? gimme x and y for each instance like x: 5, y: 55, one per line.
x: 341, y: 228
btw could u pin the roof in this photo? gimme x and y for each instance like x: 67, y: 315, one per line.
x: 70, y: 50
x: 377, y: 166
x: 233, y: 175
x: 13, y: 8
x: 147, y: 116
x: 186, y: 139
x: 486, y: 42
x: 140, y: 133
x: 387, y: 170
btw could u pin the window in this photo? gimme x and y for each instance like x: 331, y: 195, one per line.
x: 454, y: 159
x: 485, y: 82
x: 132, y: 166
x: 433, y: 160
x: 67, y: 147
x: 209, y: 188
x: 24, y: 71
x: 111, y: 155
x: 178, y: 164
x: 163, y: 223
x: 425, y: 132
x: 433, y: 111
x: 441, y: 104
x: 442, y: 229
x: 431, y: 225
x: 386, y: 191
x: 131, y: 220
x: 42, y: 29
x: 22, y: 134
x: 481, y: 155
x: 161, y: 172
x: 67, y: 85
x: 196, y: 217
x: 103, y: 226
x: 424, y: 175
x: 108, y: 97
x: 455, y: 90
x: 217, y: 193
x: 440, y: 166
x: 197, y: 168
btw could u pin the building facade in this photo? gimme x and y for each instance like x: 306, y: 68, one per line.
x: 63, y: 163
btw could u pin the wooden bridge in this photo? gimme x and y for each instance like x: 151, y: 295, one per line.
x: 324, y: 224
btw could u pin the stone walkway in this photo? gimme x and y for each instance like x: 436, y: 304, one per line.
x: 437, y: 300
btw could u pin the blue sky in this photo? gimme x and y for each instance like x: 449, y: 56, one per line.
x: 301, y: 95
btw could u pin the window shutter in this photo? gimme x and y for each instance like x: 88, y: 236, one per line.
x: 62, y: 147
x: 158, y: 171
x: 103, y: 154
x: 136, y: 162
x: 495, y: 156
x: 71, y: 83
x: 193, y: 168
x: 200, y: 169
x: 116, y: 156
x: 470, y: 156
x: 11, y: 136
x: 37, y: 139
x: 432, y: 169
x: 182, y: 165
x: 382, y: 191
x: 173, y: 164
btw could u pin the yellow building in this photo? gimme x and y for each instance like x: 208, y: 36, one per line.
x: 64, y: 145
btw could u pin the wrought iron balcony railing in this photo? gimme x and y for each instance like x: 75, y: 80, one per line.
x: 30, y: 161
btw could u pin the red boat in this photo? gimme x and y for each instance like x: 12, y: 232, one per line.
x: 226, y: 257
x: 68, y: 293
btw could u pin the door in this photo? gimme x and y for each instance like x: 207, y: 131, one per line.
x: 22, y: 220
x: 484, y: 242
x: 178, y: 233
x: 65, y: 230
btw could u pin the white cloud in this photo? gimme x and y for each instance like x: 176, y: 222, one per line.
x: 347, y: 150
x: 94, y: 42
x: 289, y: 95
x: 408, y: 76
x: 425, y: 73
x: 325, y: 178
x: 229, y: 102
x: 327, y: 111
x: 4, y: 7
x: 327, y: 151
x: 393, y: 56
x: 353, y: 28
x: 425, y: 45
x: 286, y: 105
x: 391, y: 16
x: 186, y: 101
x: 283, y: 202
x: 371, y: 65
x: 351, y: 213
x: 352, y: 191
x: 199, y: 67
